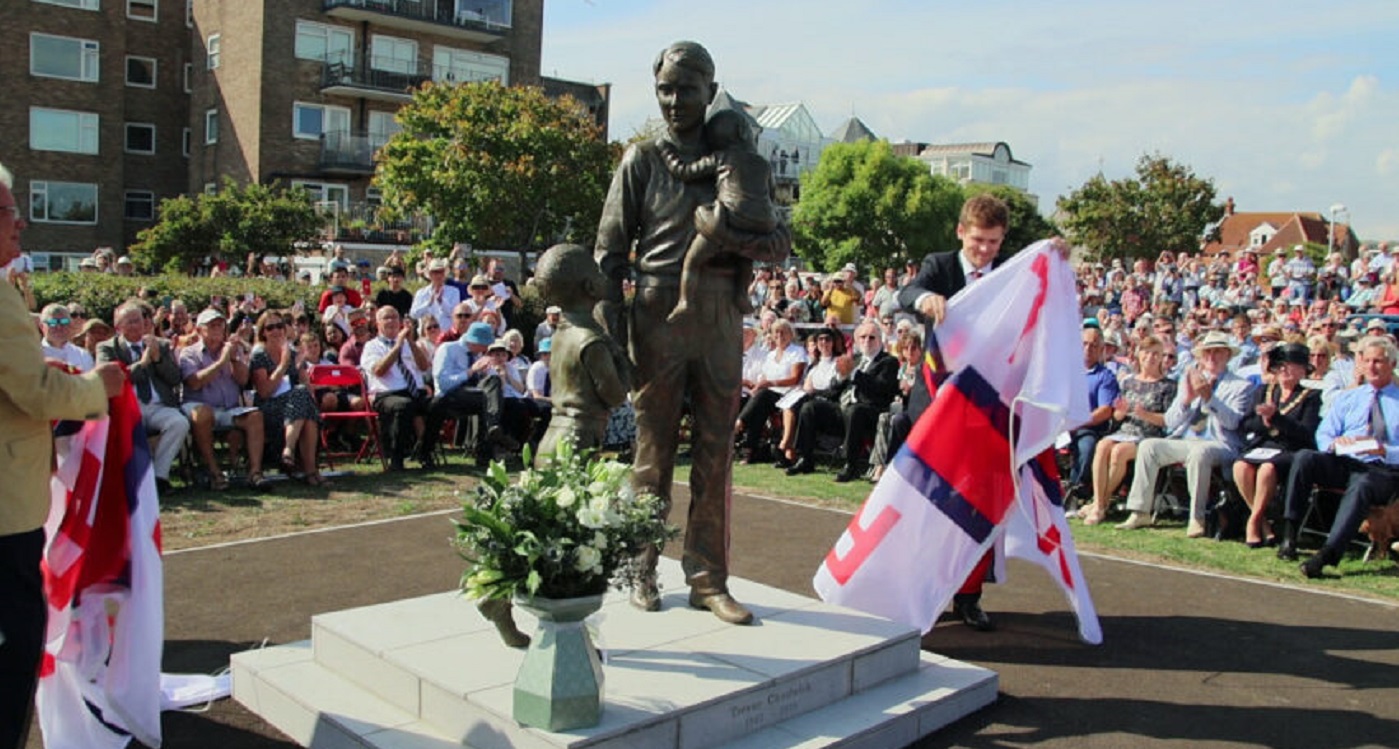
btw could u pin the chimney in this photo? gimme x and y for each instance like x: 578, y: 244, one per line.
x: 1229, y: 206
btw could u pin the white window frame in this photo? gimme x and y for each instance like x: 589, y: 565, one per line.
x: 155, y: 10
x: 126, y: 137
x: 39, y: 188
x: 189, y: 77
x: 211, y: 188
x: 326, y: 32
x: 189, y: 14
x: 86, y: 123
x: 211, y: 134
x: 75, y: 4
x: 473, y: 65
x: 185, y: 138
x: 213, y: 48
x: 89, y: 55
x: 155, y: 71
x: 378, y: 136
x: 126, y: 201
x: 320, y: 191
x: 325, y: 110
x: 376, y: 59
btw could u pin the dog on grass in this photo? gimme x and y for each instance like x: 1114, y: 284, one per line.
x: 1382, y: 525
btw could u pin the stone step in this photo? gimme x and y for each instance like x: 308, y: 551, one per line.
x: 676, y: 678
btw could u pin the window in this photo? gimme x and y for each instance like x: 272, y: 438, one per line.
x: 463, y: 66
x: 211, y: 126
x: 321, y: 42
x: 211, y: 51
x: 189, y: 13
x: 210, y: 188
x: 79, y: 4
x: 140, y: 137
x: 324, y: 192
x: 189, y: 77
x: 381, y: 128
x: 62, y: 130
x: 393, y: 54
x: 140, y: 71
x: 184, y: 142
x: 314, y: 120
x: 142, y: 10
x: 62, y: 203
x: 63, y: 57
x: 140, y: 205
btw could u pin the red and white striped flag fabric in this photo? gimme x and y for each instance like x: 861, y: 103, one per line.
x: 99, y: 683
x: 979, y: 463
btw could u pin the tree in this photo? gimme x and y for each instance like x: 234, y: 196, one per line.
x: 1165, y: 207
x: 1027, y: 226
x: 866, y: 205
x: 230, y: 223
x: 497, y: 166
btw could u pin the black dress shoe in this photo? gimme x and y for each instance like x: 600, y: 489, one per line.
x: 803, y: 465
x: 971, y: 614
x: 1287, y: 550
x: 1312, y: 567
x: 846, y: 475
x: 163, y: 486
x: 782, y: 462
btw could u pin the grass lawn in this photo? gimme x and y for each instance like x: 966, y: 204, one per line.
x: 1165, y: 544
x: 192, y: 518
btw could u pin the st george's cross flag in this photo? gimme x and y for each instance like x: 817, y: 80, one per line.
x: 100, y: 680
x: 979, y: 463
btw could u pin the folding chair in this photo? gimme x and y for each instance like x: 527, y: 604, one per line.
x: 338, y: 376
x: 1321, y: 513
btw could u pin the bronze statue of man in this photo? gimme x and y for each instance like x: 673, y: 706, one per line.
x: 696, y: 359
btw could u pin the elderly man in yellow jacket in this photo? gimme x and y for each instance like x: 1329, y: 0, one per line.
x: 31, y: 395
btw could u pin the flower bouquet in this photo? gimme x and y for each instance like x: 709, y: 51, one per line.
x: 568, y: 529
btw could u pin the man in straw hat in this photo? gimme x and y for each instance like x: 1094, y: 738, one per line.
x: 1202, y: 424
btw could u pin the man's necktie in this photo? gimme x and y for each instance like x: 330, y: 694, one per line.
x: 1378, y: 429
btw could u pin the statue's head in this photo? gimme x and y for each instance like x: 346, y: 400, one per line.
x: 567, y: 275
x: 685, y: 86
x: 728, y: 128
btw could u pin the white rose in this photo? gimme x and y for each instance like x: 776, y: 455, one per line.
x: 600, y: 540
x: 591, y: 517
x: 589, y: 560
x: 566, y: 497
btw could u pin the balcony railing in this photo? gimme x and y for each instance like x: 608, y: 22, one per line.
x: 485, y: 20
x: 343, y: 78
x: 347, y: 153
x: 360, y: 222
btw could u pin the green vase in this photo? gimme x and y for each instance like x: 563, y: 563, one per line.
x: 559, y: 685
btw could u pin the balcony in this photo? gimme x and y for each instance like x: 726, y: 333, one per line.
x: 486, y: 21
x: 343, y: 79
x: 360, y: 222
x: 347, y: 153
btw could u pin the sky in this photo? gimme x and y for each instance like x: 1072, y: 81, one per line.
x: 1286, y: 106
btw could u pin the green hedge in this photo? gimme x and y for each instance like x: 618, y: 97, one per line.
x: 100, y: 293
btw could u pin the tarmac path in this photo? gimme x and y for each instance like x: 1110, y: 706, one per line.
x: 1188, y: 660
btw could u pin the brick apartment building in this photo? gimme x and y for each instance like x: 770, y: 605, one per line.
x: 117, y: 104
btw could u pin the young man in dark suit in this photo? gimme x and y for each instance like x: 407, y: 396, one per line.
x: 981, y: 229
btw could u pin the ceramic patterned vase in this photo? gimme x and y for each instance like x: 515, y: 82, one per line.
x: 559, y: 685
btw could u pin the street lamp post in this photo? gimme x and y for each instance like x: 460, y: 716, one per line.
x: 1331, y: 227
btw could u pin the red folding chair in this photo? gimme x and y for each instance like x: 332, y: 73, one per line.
x: 339, y: 376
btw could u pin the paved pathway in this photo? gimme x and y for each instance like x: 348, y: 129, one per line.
x: 1188, y: 660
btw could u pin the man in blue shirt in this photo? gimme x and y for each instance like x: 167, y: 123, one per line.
x: 1369, y: 474
x: 467, y: 387
x: 1102, y: 393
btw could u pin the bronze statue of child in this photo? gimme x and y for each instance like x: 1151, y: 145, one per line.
x: 743, y: 183
x: 588, y: 375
